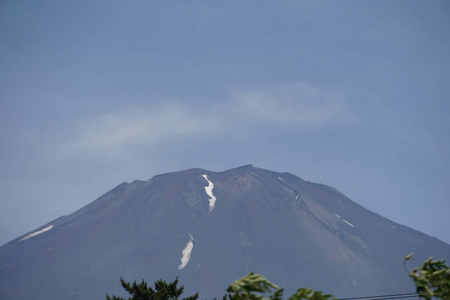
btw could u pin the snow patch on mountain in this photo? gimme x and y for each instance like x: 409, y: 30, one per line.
x: 348, y: 223
x: 186, y: 253
x: 208, y: 190
x: 345, y: 221
x: 37, y: 232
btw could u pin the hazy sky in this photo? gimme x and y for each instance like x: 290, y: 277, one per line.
x: 352, y: 94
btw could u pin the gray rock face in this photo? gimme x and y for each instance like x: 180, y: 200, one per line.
x: 296, y: 233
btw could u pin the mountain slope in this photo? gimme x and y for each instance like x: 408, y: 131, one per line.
x: 209, y: 229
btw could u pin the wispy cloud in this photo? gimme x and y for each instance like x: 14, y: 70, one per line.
x: 295, y: 105
x: 117, y: 129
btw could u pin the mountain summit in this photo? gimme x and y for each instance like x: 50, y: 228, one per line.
x: 209, y: 229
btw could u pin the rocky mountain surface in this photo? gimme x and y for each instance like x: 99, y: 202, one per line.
x: 209, y: 229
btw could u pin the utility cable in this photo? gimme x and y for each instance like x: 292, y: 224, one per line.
x: 385, y: 297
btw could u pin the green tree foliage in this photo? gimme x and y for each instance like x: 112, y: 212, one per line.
x: 162, y: 291
x: 309, y: 294
x: 255, y: 287
x: 432, y: 279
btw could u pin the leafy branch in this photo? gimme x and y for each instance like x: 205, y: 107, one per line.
x: 432, y: 279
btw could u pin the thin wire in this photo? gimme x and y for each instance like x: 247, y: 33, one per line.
x: 400, y: 297
x: 385, y: 297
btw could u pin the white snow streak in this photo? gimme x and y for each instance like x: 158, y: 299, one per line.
x: 187, y: 252
x: 348, y: 223
x: 208, y: 190
x: 37, y: 232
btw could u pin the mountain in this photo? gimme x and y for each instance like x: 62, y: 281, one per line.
x: 209, y: 229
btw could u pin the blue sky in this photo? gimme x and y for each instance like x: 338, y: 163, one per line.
x: 352, y: 94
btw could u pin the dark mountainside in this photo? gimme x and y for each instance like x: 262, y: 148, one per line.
x: 296, y: 233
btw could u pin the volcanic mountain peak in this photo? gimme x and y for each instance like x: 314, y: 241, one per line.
x: 210, y: 228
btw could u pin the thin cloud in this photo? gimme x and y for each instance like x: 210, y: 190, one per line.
x: 295, y: 105
x: 118, y: 129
